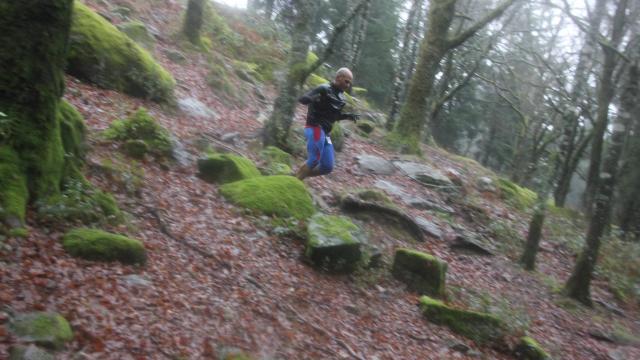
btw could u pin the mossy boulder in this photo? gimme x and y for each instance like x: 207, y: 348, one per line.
x: 480, y: 327
x: 520, y: 197
x: 46, y: 329
x: 280, y: 195
x: 98, y: 245
x: 137, y: 31
x: 135, y: 148
x: 529, y: 349
x: 31, y: 352
x: 337, y: 136
x: 334, y: 243
x: 277, y: 162
x: 72, y: 131
x: 103, y: 55
x: 226, y: 168
x: 142, y: 126
x: 14, y: 193
x: 366, y: 126
x: 421, y: 272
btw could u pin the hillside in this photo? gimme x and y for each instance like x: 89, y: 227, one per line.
x: 220, y: 280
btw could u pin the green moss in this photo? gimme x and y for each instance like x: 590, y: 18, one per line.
x: 366, y: 126
x: 137, y: 32
x: 529, y: 349
x: 315, y: 80
x: 13, y: 186
x: 521, y: 198
x: 480, y: 327
x: 273, y: 195
x: 331, y: 227
x: 225, y: 168
x: 374, y: 196
x: 103, y: 55
x: 358, y: 91
x: 19, y: 232
x: 46, y: 329
x: 422, y: 272
x: 98, y: 245
x: 277, y: 161
x: 337, y: 136
x: 402, y: 144
x: 142, y: 126
x: 135, y: 148
x: 218, y: 80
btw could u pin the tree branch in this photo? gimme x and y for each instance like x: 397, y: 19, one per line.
x: 461, y: 38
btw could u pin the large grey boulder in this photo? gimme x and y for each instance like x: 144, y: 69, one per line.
x: 425, y: 174
x: 196, y: 108
x: 375, y: 165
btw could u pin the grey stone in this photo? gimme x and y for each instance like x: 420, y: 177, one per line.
x: 230, y: 137
x: 30, y: 352
x: 424, y: 174
x: 470, y: 242
x: 175, y: 56
x: 429, y: 227
x: 334, y: 243
x: 196, y: 108
x: 390, y: 188
x: 136, y: 280
x: 375, y: 165
x: 429, y: 205
x: 486, y: 184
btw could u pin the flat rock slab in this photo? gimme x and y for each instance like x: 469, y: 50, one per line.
x: 429, y: 227
x: 334, y: 243
x: 418, y: 203
x: 390, y: 188
x: 196, y: 108
x: 424, y: 174
x: 375, y: 165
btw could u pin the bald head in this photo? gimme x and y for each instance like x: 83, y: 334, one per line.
x: 344, y: 78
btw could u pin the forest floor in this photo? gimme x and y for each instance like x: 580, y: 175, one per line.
x: 217, y: 278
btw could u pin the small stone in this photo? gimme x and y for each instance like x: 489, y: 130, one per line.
x: 429, y: 227
x: 175, y: 56
x: 136, y: 280
x: 230, y: 138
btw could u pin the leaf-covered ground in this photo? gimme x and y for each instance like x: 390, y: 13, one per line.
x: 218, y: 278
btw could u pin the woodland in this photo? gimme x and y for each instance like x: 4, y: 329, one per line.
x: 485, y: 205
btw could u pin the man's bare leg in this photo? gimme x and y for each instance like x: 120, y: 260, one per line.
x: 304, y: 172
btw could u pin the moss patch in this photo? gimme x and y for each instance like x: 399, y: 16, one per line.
x: 46, y: 329
x: 225, y: 168
x: 218, y: 80
x: 421, y: 272
x: 337, y: 136
x: 529, y: 349
x: 142, y: 126
x: 334, y: 243
x: 14, y: 193
x: 277, y: 161
x: 101, y: 54
x: 138, y: 32
x: 521, y: 198
x: 98, y: 245
x: 480, y: 327
x: 278, y: 195
x: 366, y: 126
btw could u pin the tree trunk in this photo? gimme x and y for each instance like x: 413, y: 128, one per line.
x: 268, y: 9
x: 278, y: 126
x: 435, y: 45
x: 578, y: 284
x: 528, y: 259
x: 360, y: 35
x: 401, y: 71
x: 605, y: 95
x: 564, y: 180
x: 34, y: 37
x: 193, y: 21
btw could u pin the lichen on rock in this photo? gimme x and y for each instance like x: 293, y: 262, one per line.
x: 480, y: 327
x: 142, y: 126
x: 279, y: 195
x: 423, y: 273
x: 334, y: 243
x: 99, y: 245
x: 46, y: 329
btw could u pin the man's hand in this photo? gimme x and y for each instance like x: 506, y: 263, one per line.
x: 352, y: 117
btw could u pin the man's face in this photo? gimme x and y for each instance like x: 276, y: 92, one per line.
x: 343, y: 82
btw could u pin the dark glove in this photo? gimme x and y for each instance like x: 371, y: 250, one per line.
x: 352, y: 117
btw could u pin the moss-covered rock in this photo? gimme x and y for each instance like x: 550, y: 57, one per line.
x: 101, y: 54
x: 480, y: 327
x: 142, y: 126
x: 14, y: 193
x: 135, y: 148
x: 98, y: 245
x: 521, y: 198
x: 19, y: 232
x: 337, y: 136
x: 72, y: 131
x: 31, y: 352
x: 529, y: 349
x: 218, y: 80
x: 45, y: 329
x: 137, y: 31
x: 277, y: 161
x: 225, y: 168
x: 421, y: 272
x: 334, y: 243
x: 366, y: 126
x: 279, y: 195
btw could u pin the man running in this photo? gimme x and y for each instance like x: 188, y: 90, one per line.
x: 325, y: 104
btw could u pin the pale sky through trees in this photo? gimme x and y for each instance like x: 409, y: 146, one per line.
x: 235, y: 3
